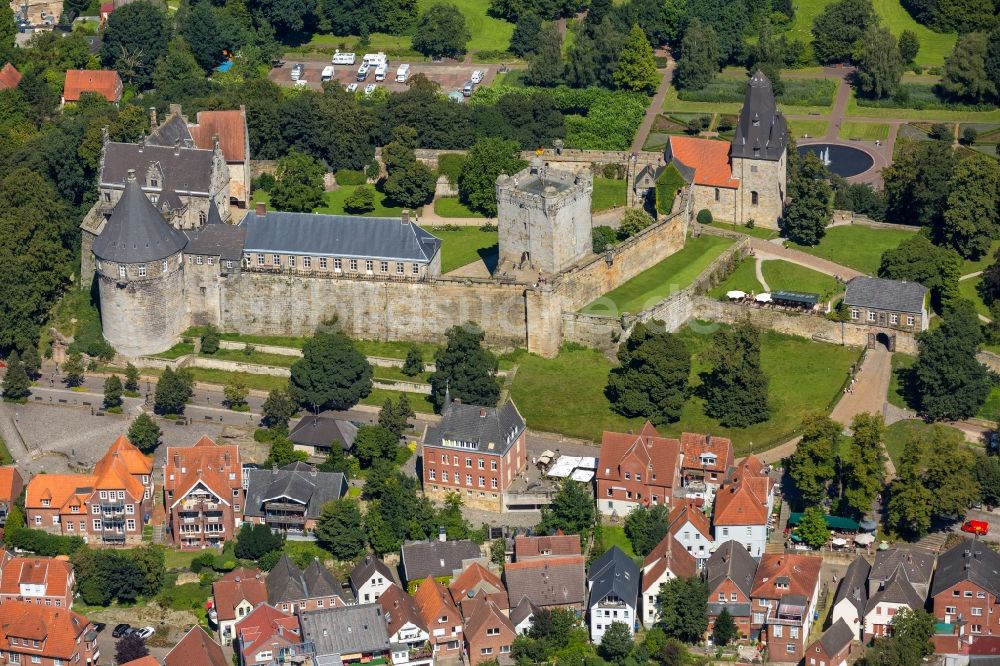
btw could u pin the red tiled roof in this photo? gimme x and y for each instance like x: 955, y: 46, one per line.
x: 142, y: 661
x: 660, y: 454
x: 134, y: 460
x: 197, y: 647
x: 478, y: 580
x: 398, y: 608
x: 55, y: 574
x: 742, y: 500
x: 59, y: 628
x: 235, y: 587
x: 433, y: 600
x: 799, y: 572
x: 668, y: 554
x: 688, y: 511
x: 9, y: 77
x: 229, y: 126
x: 708, y: 158
x: 265, y: 624
x: 487, y: 615
x: 61, y: 490
x: 11, y: 482
x: 205, y: 462
x: 104, y: 82
x: 693, y: 445
x: 558, y: 544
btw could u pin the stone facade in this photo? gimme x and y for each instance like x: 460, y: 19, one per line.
x: 763, y: 184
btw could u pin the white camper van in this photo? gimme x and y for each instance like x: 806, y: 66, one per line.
x: 402, y: 73
x: 327, y: 74
x: 343, y: 58
x: 380, y: 71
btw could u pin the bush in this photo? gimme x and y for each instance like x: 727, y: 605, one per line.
x: 450, y: 165
x: 750, y: 224
x: 264, y: 181
x: 42, y: 543
x: 969, y: 136
x: 796, y: 92
x: 361, y: 200
x: 634, y: 221
x: 921, y: 97
x: 351, y: 177
x: 210, y: 341
x: 940, y: 132
x: 705, y: 216
x: 601, y: 237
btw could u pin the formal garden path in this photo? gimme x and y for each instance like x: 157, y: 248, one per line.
x: 763, y: 249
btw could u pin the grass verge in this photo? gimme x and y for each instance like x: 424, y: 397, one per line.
x: 465, y: 245
x: 786, y: 276
x: 863, y: 131
x: 744, y: 278
x: 608, y: 193
x: 452, y: 207
x: 856, y: 246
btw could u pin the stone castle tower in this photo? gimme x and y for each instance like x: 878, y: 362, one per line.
x: 138, y: 261
x: 758, y: 155
x: 544, y: 219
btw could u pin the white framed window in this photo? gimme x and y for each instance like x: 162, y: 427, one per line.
x: 482, y: 481
x: 976, y: 612
x: 468, y: 479
x: 383, y: 266
x: 400, y: 268
x: 794, y: 632
x: 778, y: 631
x: 95, y: 510
x: 229, y: 263
x: 854, y: 313
x: 38, y: 520
x: 871, y: 316
x: 977, y: 628
x: 142, y: 270
x: 493, y: 465
x: 103, y: 494
x: 444, y: 475
x: 121, y: 494
x: 70, y: 527
x: 307, y: 262
x: 369, y: 266
x: 468, y: 462
x: 415, y: 269
x: 894, y: 318
x: 97, y: 525
x: 260, y: 260
x: 493, y: 483
x: 433, y: 474
x: 950, y: 610
x: 909, y: 320
x: 276, y: 259
x: 130, y: 524
x: 198, y: 260
x: 291, y: 262
x: 482, y: 464
x: 130, y: 509
x: 211, y: 261
x: 353, y: 264
x: 121, y: 270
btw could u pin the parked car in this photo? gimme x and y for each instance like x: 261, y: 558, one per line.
x: 370, y: 88
x: 468, y: 88
x: 145, y: 632
x: 297, y: 71
x: 978, y: 527
x: 477, y: 76
x: 351, y: 87
x: 402, y: 73
x: 98, y: 626
x: 120, y: 630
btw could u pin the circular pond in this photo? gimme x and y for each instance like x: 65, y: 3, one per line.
x: 842, y: 160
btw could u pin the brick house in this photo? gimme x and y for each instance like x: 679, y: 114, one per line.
x: 669, y: 559
x: 197, y: 647
x: 966, y: 588
x: 637, y: 469
x: 40, y: 580
x: 263, y: 634
x: 729, y: 574
x: 743, y: 507
x: 488, y: 634
x: 478, y: 450
x: 34, y: 634
x: 705, y: 463
x: 203, y: 493
x: 106, y: 507
x: 833, y: 648
x: 11, y: 485
x: 295, y: 590
x: 784, y: 597
x: 235, y: 595
x: 441, y: 617
x: 290, y: 499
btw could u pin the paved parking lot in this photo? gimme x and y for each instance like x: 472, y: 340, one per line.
x: 451, y: 76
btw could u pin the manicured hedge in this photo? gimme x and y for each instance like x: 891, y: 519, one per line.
x: 797, y: 92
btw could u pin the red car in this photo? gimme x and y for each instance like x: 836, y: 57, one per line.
x: 979, y: 527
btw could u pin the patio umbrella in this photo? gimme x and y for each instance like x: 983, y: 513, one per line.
x: 736, y: 294
x: 763, y: 298
x: 839, y: 542
x: 883, y: 545
x: 867, y: 526
x: 865, y: 539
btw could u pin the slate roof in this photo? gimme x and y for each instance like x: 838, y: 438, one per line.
x: 286, y: 582
x: 298, y: 482
x: 346, y: 630
x: 338, y: 236
x: 761, y: 132
x: 896, y: 590
x: 185, y: 171
x: 522, y: 610
x: 854, y: 585
x: 217, y: 239
x: 983, y: 569
x: 731, y: 560
x: 915, y: 564
x: 715, y: 609
x: 173, y: 131
x: 883, y: 294
x: 613, y: 572
x: 322, y: 431
x: 547, y: 581
x: 421, y: 559
x: 836, y: 638
x: 366, y: 568
x: 492, y: 430
x: 136, y: 233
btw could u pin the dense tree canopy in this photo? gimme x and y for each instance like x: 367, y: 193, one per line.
x: 571, y: 510
x: 862, y: 464
x: 651, y: 379
x: 135, y: 38
x: 970, y: 218
x: 735, y: 389
x: 839, y: 26
x: 465, y: 368
x: 441, y: 31
x: 965, y: 76
x: 810, y: 206
x: 699, y: 60
x: 298, y: 183
x: 879, y: 62
x: 813, y: 464
x: 916, y: 183
x: 636, y: 66
x: 488, y: 158
x: 918, y: 260
x: 683, y: 608
x: 331, y: 374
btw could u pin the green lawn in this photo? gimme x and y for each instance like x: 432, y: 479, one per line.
x: 853, y: 109
x: 335, y: 203
x: 179, y: 559
x: 614, y: 535
x: 900, y: 364
x: 393, y: 374
x: 464, y: 246
x: 419, y: 403
x: 968, y: 289
x: 984, y: 262
x: 542, y: 389
x: 991, y: 407
x: 756, y: 232
x: 452, y: 207
x: 258, y: 382
x: 810, y: 128
x: 864, y: 131
x: 744, y: 278
x: 395, y: 348
x: 608, y: 193
x: 178, y: 350
x: 786, y: 276
x: 669, y: 276
x: 900, y: 432
x: 5, y: 457
x: 255, y: 357
x: 856, y: 246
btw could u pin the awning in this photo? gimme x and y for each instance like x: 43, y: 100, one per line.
x: 763, y: 298
x: 736, y: 294
x: 833, y: 522
x: 795, y: 297
x: 839, y: 542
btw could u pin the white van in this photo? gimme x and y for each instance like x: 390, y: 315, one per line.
x: 402, y: 73
x: 477, y: 76
x: 363, y: 71
x: 343, y: 58
x: 380, y: 72
x: 327, y: 74
x: 375, y: 59
x: 468, y: 88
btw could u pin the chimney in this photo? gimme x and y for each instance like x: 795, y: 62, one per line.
x: 177, y: 458
x: 442, y: 534
x: 261, y: 209
x: 215, y: 142
x: 175, y: 109
x: 131, y: 175
x: 152, y: 117
x: 177, y: 147
x: 313, y: 472
x: 405, y: 216
x: 482, y: 412
x: 142, y: 143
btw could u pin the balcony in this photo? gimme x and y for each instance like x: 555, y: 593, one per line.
x: 290, y: 519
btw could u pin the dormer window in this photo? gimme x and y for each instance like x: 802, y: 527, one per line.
x: 154, y: 182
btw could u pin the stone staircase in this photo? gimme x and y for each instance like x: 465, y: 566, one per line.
x: 934, y: 541
x: 158, y: 533
x: 776, y: 542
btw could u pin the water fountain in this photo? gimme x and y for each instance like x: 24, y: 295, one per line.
x: 844, y: 161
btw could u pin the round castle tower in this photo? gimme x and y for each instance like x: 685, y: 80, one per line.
x: 140, y: 271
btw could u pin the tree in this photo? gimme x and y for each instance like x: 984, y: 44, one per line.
x: 298, y: 183
x: 200, y: 27
x: 144, y: 433
x: 916, y: 183
x: 992, y: 60
x: 465, y: 369
x: 73, y: 370
x: 950, y: 383
x: 361, y: 200
x: 646, y: 526
x: 879, y: 63
x: 395, y: 415
x: 812, y: 528
x: 375, y: 443
x: 863, y: 464
x: 451, y: 519
x: 487, y: 159
x: 947, y: 473
x: 636, y: 65
x: 210, y: 340
x: 545, y: 68
x: 909, y: 643
x: 593, y: 58
x: 498, y: 553
x: 172, y: 392
x: 414, y: 363
x: 129, y: 648
x: 525, y: 39
x: 255, y: 540
x: 735, y: 389
x: 278, y: 409
x: 340, y: 531
x: 441, y: 31
x: 725, y: 630
x: 571, y: 510
x: 131, y: 378
x: 813, y: 464
x: 633, y: 221
x: 282, y: 452
x: 911, y: 504
x: 236, y: 391
x: 16, y: 383
x: 651, y: 379
x: 971, y: 215
x: 112, y: 392
x: 31, y: 361
x: 965, y: 76
x: 683, y: 608
x: 986, y: 473
x: 8, y: 27
x: 177, y: 70
x: 411, y: 184
x: 616, y: 643
x: 909, y: 46
x: 699, y: 61
x: 331, y: 374
x: 810, y: 207
x: 839, y: 26
x: 917, y: 259
x: 134, y: 41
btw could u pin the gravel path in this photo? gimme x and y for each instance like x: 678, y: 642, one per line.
x: 763, y: 249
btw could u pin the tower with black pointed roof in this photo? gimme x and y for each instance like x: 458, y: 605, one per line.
x: 140, y: 273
